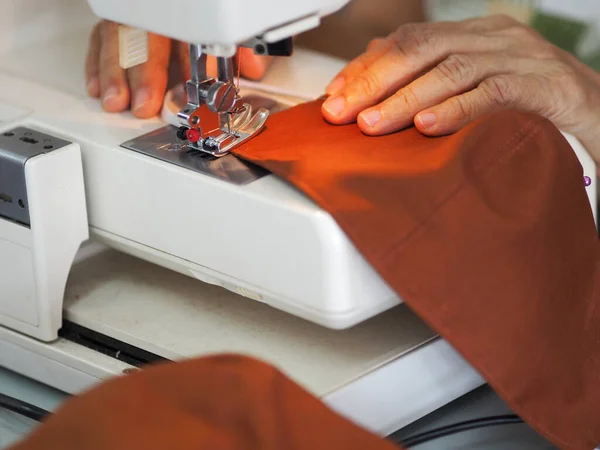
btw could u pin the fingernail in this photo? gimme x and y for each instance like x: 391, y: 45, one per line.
x: 371, y: 118
x: 110, y: 94
x: 93, y: 86
x: 142, y: 96
x: 335, y: 86
x: 335, y: 105
x: 427, y: 120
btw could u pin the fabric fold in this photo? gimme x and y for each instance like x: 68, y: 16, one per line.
x: 486, y: 234
x: 223, y: 402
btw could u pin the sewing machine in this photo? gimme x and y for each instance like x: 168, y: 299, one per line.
x: 124, y: 241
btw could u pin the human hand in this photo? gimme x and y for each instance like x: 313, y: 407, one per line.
x: 442, y: 76
x: 142, y: 88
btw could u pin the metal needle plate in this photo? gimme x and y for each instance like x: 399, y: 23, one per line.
x: 163, y: 144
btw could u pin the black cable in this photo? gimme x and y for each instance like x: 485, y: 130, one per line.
x: 459, y: 427
x: 23, y: 408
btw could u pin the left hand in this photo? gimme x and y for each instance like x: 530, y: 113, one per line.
x: 142, y: 88
x: 442, y: 76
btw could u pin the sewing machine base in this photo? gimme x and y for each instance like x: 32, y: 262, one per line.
x: 383, y: 400
x: 122, y: 313
x: 164, y: 145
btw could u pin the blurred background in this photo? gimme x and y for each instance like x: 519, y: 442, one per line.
x: 573, y: 25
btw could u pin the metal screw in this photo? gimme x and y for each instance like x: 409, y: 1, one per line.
x: 220, y: 97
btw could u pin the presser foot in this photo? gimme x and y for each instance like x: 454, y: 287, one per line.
x: 234, y: 130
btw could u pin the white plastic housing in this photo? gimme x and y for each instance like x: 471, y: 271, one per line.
x: 589, y: 171
x: 35, y: 261
x: 223, y: 22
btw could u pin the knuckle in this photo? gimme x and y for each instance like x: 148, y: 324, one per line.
x: 109, y: 61
x: 460, y: 108
x: 497, y: 91
x: 518, y: 29
x: 415, y: 39
x: 456, y: 69
x: 368, y: 83
x: 571, y: 84
x: 358, y: 65
x: 376, y: 44
x: 520, y: 33
x: 373, y: 44
x: 408, y: 100
x: 114, y: 80
x: 504, y: 20
x: 544, y: 51
x: 567, y: 74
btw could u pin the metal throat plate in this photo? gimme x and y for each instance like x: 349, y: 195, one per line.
x: 163, y: 144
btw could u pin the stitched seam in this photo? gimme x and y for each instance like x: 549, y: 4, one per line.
x: 525, y: 133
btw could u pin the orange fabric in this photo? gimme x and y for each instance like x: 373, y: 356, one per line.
x: 218, y: 403
x: 486, y: 234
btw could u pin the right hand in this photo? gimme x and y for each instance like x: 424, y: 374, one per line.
x: 142, y: 88
x: 442, y: 76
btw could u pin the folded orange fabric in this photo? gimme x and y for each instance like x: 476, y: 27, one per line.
x: 223, y: 402
x: 486, y: 234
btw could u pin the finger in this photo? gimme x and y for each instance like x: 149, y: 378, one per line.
x: 148, y: 81
x: 211, y: 66
x: 380, y: 46
x: 113, y: 79
x: 253, y: 66
x: 182, y: 53
x: 92, y: 63
x: 401, y: 66
x: 492, y: 95
x: 375, y: 50
x: 453, y: 76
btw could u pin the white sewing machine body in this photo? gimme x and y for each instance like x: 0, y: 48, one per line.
x: 263, y: 239
x: 254, y: 235
x: 215, y: 23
